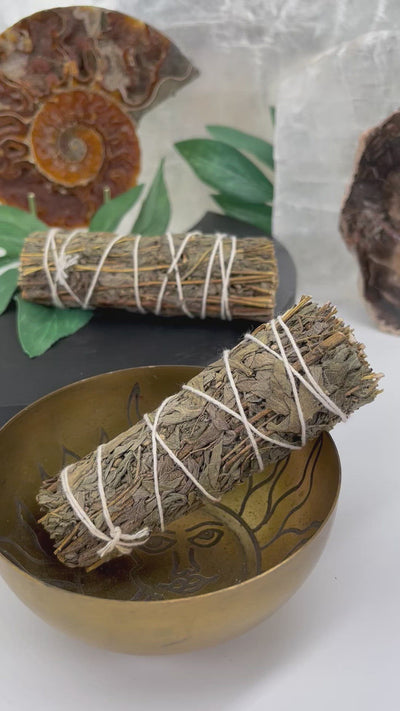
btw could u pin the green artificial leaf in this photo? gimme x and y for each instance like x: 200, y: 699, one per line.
x: 15, y: 225
x: 256, y: 214
x: 8, y: 281
x: 11, y: 239
x: 155, y: 213
x: 108, y: 216
x: 259, y: 148
x: 272, y: 113
x: 41, y: 326
x: 226, y: 169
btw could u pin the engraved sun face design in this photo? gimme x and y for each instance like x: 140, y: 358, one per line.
x: 199, y: 553
x: 257, y: 525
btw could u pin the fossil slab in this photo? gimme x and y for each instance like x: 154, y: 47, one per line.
x: 74, y: 82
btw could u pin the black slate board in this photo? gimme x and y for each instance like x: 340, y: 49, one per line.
x: 118, y: 339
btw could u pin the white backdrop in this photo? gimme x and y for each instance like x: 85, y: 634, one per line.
x: 244, y: 49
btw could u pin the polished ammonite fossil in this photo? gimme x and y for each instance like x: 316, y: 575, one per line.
x: 73, y: 84
x: 370, y: 220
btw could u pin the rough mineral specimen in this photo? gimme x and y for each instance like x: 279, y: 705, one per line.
x: 370, y: 220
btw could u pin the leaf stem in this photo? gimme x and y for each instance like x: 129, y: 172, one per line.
x: 106, y: 194
x: 32, y: 204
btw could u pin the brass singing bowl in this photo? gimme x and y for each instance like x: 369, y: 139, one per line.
x: 211, y: 576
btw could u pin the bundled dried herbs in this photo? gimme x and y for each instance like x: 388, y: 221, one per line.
x: 196, y: 274
x: 210, y: 442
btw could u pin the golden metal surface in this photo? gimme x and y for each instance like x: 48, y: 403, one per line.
x: 212, y: 575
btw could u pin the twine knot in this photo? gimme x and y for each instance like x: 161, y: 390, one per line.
x: 61, y: 268
x: 62, y: 262
x: 116, y: 539
x: 113, y: 543
x: 123, y: 542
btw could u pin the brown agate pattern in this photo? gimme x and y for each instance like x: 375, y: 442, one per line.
x: 73, y: 84
x: 370, y: 221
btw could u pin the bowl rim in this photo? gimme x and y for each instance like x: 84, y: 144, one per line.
x: 179, y: 600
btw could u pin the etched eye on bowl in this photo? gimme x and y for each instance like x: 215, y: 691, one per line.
x: 159, y: 543
x: 74, y: 82
x: 207, y: 537
x: 211, y: 575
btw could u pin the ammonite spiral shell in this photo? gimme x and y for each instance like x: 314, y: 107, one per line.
x: 74, y: 82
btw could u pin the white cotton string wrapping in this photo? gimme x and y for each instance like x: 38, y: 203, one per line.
x: 62, y: 262
x: 174, y: 267
x: 124, y: 542
x: 49, y: 244
x: 135, y: 256
x: 225, y: 275
x: 242, y: 413
x: 311, y: 385
x: 115, y: 539
x: 241, y: 416
x: 218, y: 238
x: 292, y: 383
x: 155, y: 437
x: 99, y: 267
x: 65, y: 262
x: 323, y: 397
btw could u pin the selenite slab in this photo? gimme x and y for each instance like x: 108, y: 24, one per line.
x: 322, y: 110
